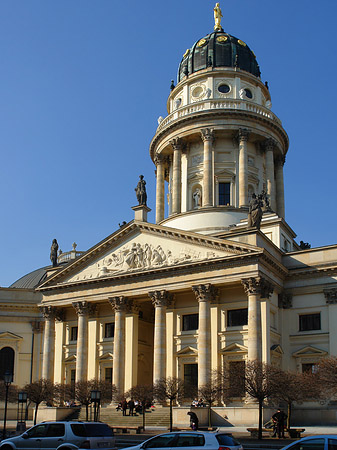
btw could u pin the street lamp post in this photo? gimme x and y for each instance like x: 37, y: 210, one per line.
x: 22, y: 403
x: 95, y: 396
x: 8, y: 379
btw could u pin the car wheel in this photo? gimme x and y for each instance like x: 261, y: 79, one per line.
x: 6, y: 447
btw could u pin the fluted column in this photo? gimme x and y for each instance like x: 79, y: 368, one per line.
x: 36, y: 350
x: 120, y: 306
x: 205, y: 294
x: 49, y: 313
x: 280, y: 187
x: 160, y: 188
x: 160, y: 300
x: 243, y: 137
x: 255, y: 288
x: 83, y: 309
x: 176, y: 144
x: 207, y: 135
x: 269, y: 146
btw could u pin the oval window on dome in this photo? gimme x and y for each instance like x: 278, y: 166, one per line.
x: 224, y: 88
x: 197, y: 92
x: 242, y: 43
x: 222, y: 38
x: 248, y: 93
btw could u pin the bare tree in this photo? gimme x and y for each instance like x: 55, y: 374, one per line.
x: 40, y: 391
x: 144, y: 394
x: 327, y: 375
x: 211, y: 393
x: 291, y: 387
x: 83, y: 392
x: 256, y: 378
x: 170, y: 388
x: 12, y: 393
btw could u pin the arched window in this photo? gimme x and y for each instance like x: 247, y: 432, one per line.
x: 6, y: 361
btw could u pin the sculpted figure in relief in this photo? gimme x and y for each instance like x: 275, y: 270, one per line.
x: 197, y: 198
x: 255, y: 212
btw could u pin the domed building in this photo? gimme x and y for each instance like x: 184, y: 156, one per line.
x: 219, y: 278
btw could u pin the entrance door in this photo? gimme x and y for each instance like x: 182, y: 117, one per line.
x: 191, y: 380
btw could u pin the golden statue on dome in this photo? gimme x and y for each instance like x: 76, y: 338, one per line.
x: 217, y: 17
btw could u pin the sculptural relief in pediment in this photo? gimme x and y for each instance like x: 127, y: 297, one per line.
x: 139, y: 256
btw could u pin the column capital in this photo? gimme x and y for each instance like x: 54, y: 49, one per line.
x: 176, y: 143
x: 161, y: 298
x: 52, y: 313
x: 330, y: 296
x: 207, y: 134
x: 270, y: 144
x: 285, y: 300
x: 158, y: 159
x: 120, y: 304
x: 243, y: 135
x: 258, y: 286
x: 206, y: 292
x: 84, y: 308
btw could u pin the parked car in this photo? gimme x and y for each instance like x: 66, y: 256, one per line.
x: 318, y: 442
x: 193, y: 439
x: 63, y: 436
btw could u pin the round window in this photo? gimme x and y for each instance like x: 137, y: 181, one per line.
x: 248, y: 93
x: 197, y: 92
x: 224, y: 88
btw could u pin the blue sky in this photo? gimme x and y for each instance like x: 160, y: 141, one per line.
x: 82, y: 83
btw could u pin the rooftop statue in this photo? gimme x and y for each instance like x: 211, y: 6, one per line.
x: 53, y: 252
x: 255, y: 212
x: 141, y: 191
x: 217, y: 17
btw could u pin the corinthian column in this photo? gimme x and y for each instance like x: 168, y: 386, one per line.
x: 120, y: 305
x: 280, y: 187
x: 270, y: 144
x: 207, y: 135
x: 204, y: 293
x: 160, y: 300
x: 83, y: 309
x: 176, y: 144
x: 49, y: 313
x: 255, y: 288
x: 243, y: 136
x: 160, y: 189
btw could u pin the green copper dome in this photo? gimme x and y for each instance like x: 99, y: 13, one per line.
x: 218, y: 49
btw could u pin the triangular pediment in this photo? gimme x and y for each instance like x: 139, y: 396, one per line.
x: 309, y: 351
x: 187, y: 351
x: 7, y: 335
x: 143, y: 247
x: 234, y: 348
x: 106, y: 356
x: 276, y: 348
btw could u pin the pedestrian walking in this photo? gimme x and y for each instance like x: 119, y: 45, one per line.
x: 124, y: 406
x: 131, y: 406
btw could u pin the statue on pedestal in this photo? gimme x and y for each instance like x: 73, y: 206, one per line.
x: 217, y: 17
x: 141, y: 191
x: 53, y: 252
x: 255, y: 212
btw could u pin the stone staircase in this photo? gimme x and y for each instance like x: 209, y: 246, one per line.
x: 158, y: 417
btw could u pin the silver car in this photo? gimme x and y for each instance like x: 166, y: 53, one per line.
x: 194, y: 439
x: 318, y: 442
x: 63, y: 436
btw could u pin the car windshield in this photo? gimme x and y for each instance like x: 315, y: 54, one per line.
x: 91, y: 429
x: 224, y: 439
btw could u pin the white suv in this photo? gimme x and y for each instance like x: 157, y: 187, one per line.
x: 63, y: 436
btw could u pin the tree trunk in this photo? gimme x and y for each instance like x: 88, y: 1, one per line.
x: 144, y: 411
x: 289, y: 415
x: 86, y: 412
x: 171, y: 414
x: 35, y: 415
x: 260, y: 420
x: 209, y: 417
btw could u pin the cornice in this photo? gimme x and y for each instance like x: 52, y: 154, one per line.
x: 224, y: 113
x: 327, y: 269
